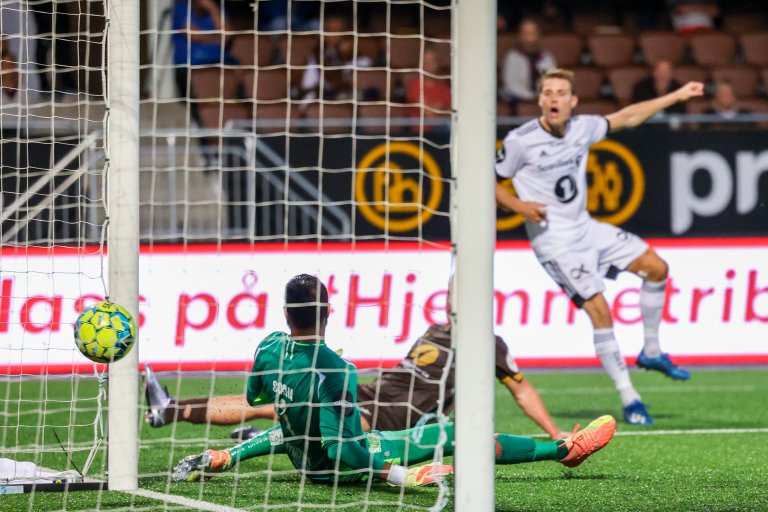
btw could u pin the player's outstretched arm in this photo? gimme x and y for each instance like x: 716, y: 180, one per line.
x: 635, y: 114
x: 530, y: 402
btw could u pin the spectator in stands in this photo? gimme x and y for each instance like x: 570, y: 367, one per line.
x: 693, y: 16
x: 20, y: 31
x: 725, y: 106
x: 60, y: 53
x: 429, y: 93
x: 330, y: 75
x: 274, y: 15
x: 524, y: 64
x: 9, y: 75
x: 198, y: 38
x: 661, y: 82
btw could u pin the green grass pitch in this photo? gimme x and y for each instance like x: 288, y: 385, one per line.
x: 687, y: 461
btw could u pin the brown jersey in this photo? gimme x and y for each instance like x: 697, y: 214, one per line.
x: 400, y: 396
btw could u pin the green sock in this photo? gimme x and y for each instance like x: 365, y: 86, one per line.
x: 516, y: 449
x: 269, y: 441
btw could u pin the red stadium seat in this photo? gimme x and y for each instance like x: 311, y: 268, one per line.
x: 267, y: 84
x: 713, y: 49
x: 755, y: 48
x: 215, y: 82
x: 565, y: 47
x: 685, y: 74
x: 405, y: 52
x: 274, y: 117
x: 382, y: 119
x: 743, y: 79
x: 658, y: 46
x: 332, y: 118
x: 589, y: 80
x: 250, y: 50
x: 611, y: 50
x: 623, y: 81
x: 596, y: 107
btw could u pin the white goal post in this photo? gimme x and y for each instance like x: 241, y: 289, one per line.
x: 122, y: 162
x: 474, y: 225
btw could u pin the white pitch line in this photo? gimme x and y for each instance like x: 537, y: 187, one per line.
x: 186, y: 502
x: 695, y: 431
x: 682, y: 388
x: 680, y: 432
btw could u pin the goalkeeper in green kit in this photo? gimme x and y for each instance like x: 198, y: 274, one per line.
x: 314, y: 392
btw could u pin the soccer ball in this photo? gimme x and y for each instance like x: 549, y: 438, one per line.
x: 105, y: 332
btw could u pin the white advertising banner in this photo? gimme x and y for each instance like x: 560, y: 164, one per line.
x: 201, y: 307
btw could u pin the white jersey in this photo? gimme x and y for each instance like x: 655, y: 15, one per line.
x: 553, y: 170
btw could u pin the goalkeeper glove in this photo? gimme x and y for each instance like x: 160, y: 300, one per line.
x: 400, y: 476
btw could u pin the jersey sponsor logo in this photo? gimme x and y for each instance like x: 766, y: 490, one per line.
x: 391, y: 182
x: 344, y: 404
x: 280, y: 389
x: 565, y: 189
x: 424, y: 355
x: 276, y: 437
x: 615, y: 191
x: 501, y: 154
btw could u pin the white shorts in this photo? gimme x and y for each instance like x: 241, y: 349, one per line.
x: 604, y: 252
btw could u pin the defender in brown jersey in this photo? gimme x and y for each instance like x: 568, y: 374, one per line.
x: 396, y: 400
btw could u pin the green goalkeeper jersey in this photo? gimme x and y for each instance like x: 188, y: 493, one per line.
x: 314, y: 392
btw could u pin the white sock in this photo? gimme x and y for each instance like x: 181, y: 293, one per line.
x: 652, y: 296
x: 610, y: 356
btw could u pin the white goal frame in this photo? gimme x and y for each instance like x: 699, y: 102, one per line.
x: 474, y: 230
x: 122, y: 162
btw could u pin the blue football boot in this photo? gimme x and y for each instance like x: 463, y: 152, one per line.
x: 636, y: 414
x: 664, y: 365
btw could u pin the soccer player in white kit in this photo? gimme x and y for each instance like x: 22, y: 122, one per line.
x: 547, y: 160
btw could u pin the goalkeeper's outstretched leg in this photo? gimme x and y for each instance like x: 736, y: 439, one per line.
x: 415, y: 446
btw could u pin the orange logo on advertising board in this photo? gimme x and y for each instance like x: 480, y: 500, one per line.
x: 398, y: 186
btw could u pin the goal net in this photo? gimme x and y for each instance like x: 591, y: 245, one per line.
x: 275, y: 139
x: 53, y: 204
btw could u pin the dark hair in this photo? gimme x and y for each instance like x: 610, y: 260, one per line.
x: 305, y: 309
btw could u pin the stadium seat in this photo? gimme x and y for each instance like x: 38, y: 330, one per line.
x: 437, y: 24
x: 596, y: 107
x: 685, y: 74
x: 713, y: 49
x: 274, y: 117
x: 298, y: 48
x: 587, y: 24
x: 658, y: 46
x: 503, y: 109
x: 527, y: 109
x: 589, y: 81
x: 405, y: 52
x: 744, y: 79
x: 743, y: 22
x: 504, y: 43
x: 267, y: 84
x: 697, y: 105
x: 764, y: 75
x: 369, y: 81
x: 376, y: 119
x: 250, y: 50
x: 755, y: 105
x: 216, y: 114
x: 565, y: 47
x: 443, y: 52
x: 370, y: 46
x: 755, y: 48
x: 215, y: 82
x: 331, y: 118
x: 611, y: 50
x: 623, y: 81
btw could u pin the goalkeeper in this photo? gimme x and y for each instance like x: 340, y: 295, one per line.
x: 314, y: 393
x: 396, y: 400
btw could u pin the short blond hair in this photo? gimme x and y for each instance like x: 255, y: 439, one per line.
x: 565, y: 74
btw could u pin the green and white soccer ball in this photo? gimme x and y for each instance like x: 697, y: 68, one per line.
x: 105, y: 332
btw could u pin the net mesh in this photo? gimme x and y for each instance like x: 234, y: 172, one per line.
x: 52, y: 201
